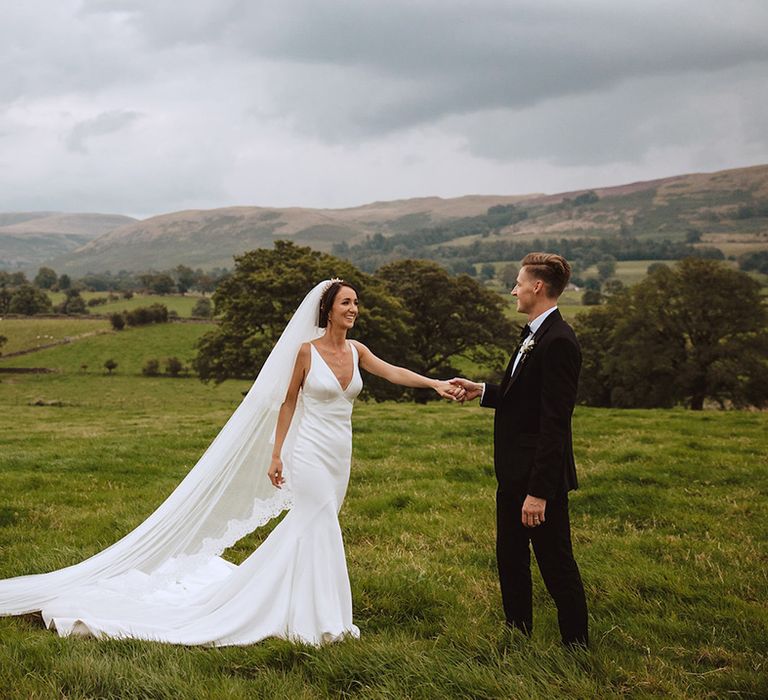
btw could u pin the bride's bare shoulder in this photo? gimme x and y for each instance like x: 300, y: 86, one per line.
x: 361, y: 349
x: 303, y: 355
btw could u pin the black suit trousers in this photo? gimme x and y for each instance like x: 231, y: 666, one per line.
x: 552, y: 546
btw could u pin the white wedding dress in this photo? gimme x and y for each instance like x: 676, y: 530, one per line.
x: 156, y: 584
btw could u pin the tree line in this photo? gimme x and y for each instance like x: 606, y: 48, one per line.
x: 688, y: 334
x: 19, y: 295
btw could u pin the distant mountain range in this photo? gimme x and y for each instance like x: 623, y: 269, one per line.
x: 29, y: 239
x: 729, y: 209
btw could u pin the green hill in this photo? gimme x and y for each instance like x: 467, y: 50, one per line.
x: 728, y: 209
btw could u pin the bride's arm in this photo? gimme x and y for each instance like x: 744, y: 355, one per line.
x: 402, y: 376
x: 287, y: 409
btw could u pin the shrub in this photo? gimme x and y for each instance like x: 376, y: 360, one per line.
x: 203, y: 308
x: 591, y: 297
x: 110, y: 365
x: 144, y: 315
x: 174, y: 366
x: 117, y: 320
x: 151, y: 368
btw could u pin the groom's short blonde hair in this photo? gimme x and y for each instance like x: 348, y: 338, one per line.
x: 550, y: 268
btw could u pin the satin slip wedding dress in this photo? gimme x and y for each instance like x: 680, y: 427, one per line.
x: 295, y: 584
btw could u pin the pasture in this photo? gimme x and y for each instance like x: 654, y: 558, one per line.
x: 669, y: 531
x: 25, y: 334
x: 130, y: 348
x: 181, y: 304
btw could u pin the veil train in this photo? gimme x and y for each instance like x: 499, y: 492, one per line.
x: 225, y: 496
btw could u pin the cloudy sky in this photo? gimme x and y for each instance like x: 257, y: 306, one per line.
x: 148, y: 106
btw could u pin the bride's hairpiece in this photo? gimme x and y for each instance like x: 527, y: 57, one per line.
x: 331, y: 282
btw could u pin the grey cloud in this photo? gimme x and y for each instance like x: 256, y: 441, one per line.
x: 335, y: 102
x: 389, y: 66
x: 100, y: 125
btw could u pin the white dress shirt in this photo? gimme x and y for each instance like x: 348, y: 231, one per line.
x: 534, y: 326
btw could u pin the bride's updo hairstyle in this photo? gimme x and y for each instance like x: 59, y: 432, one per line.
x: 329, y: 296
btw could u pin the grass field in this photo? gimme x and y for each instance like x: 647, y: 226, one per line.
x: 182, y: 305
x: 130, y: 348
x: 30, y: 333
x: 669, y: 530
x: 628, y: 271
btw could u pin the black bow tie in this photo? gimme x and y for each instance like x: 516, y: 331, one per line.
x: 525, y: 332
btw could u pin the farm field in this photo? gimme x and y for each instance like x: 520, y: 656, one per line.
x: 668, y: 529
x: 130, y: 348
x: 181, y: 304
x: 29, y: 333
x: 628, y: 271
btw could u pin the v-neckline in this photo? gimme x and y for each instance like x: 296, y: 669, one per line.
x: 328, y: 367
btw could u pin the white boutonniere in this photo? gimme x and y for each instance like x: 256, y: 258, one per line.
x: 526, y: 347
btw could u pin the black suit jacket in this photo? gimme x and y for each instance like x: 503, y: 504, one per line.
x: 532, y: 441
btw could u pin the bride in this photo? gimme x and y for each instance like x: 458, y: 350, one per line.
x: 287, y: 446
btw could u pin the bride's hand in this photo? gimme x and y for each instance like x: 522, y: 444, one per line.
x: 275, y: 472
x: 449, y: 391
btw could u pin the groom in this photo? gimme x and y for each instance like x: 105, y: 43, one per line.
x: 533, y: 453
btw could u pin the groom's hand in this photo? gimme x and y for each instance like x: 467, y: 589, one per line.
x: 533, y: 511
x: 472, y: 389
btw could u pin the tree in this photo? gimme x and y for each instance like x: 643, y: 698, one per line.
x: 203, y: 308
x: 757, y: 261
x: 593, y: 328
x: 686, y: 334
x: 451, y: 317
x: 64, y: 282
x: 606, y: 267
x: 692, y: 235
x: 158, y: 283
x: 110, y: 365
x: 46, y: 278
x: 462, y: 267
x: 3, y: 341
x: 613, y: 286
x: 5, y: 299
x: 205, y: 283
x: 29, y: 300
x: 487, y: 271
x: 655, y: 266
x: 185, y: 278
x: 73, y: 303
x: 591, y: 297
x: 592, y: 283
x: 257, y: 300
x: 509, y: 275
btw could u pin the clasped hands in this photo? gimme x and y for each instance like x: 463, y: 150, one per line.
x: 457, y: 389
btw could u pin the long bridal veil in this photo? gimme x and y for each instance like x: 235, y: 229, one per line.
x: 226, y: 495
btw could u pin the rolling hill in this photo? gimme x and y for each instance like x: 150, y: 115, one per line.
x: 28, y: 239
x: 729, y: 209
